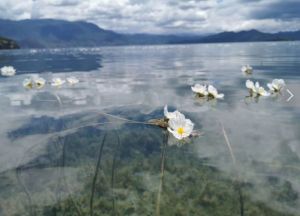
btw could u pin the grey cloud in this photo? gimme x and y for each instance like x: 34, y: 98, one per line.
x: 65, y: 2
x: 277, y: 10
x: 164, y: 16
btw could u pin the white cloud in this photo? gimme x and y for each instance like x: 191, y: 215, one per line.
x: 163, y: 16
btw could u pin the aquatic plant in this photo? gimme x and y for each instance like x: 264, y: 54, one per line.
x: 72, y: 80
x: 247, y: 69
x: 28, y: 83
x: 200, y: 90
x: 213, y: 92
x: 8, y: 71
x: 256, y: 90
x: 170, y: 115
x: 277, y: 85
x: 57, y: 82
x: 206, y: 91
x: 39, y: 82
x: 180, y: 127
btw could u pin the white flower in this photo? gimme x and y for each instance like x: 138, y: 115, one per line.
x: 256, y: 89
x: 213, y: 92
x: 247, y: 69
x: 201, y: 90
x: 277, y: 85
x: 180, y: 127
x: 8, y: 71
x: 72, y: 80
x: 28, y: 83
x: 170, y: 115
x: 39, y: 82
x: 57, y: 82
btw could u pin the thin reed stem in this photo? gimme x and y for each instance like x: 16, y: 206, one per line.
x: 113, y: 172
x: 162, y: 171
x: 96, y: 175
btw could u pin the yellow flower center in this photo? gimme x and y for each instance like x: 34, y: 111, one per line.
x: 29, y: 85
x: 180, y: 131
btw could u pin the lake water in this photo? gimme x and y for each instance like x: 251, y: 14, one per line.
x: 87, y: 149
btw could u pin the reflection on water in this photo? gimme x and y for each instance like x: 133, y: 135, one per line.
x: 71, y: 151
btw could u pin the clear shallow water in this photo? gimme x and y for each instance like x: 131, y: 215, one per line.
x: 53, y: 160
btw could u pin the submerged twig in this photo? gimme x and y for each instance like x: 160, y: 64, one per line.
x: 96, y: 175
x: 162, y: 170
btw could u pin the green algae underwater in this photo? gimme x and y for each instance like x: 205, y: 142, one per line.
x: 131, y: 169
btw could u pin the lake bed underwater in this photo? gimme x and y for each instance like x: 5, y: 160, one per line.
x: 89, y: 149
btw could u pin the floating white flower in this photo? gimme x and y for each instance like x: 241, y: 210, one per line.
x: 57, y: 82
x: 28, y: 83
x: 72, y: 80
x: 180, y: 127
x: 247, y: 69
x: 213, y: 92
x: 201, y: 90
x: 256, y: 89
x: 8, y: 71
x: 39, y: 82
x: 170, y: 115
x: 277, y: 85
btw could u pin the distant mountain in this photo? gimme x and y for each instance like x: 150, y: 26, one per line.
x: 251, y: 36
x: 50, y: 33
x: 6, y: 43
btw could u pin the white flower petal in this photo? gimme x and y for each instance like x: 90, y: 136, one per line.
x: 249, y: 84
x: 8, y: 71
x: 270, y: 86
x: 72, y: 80
x: 220, y: 96
x: 27, y: 83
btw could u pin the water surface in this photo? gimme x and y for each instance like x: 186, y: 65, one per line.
x: 86, y: 150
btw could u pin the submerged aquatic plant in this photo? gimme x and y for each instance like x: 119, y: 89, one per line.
x: 255, y: 89
x: 57, y: 82
x: 247, y: 69
x: 8, y: 71
x: 72, y: 80
x: 277, y: 85
x: 180, y: 127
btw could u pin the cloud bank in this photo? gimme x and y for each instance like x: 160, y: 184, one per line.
x: 164, y: 16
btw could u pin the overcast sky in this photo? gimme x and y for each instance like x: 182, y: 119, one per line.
x: 164, y: 16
